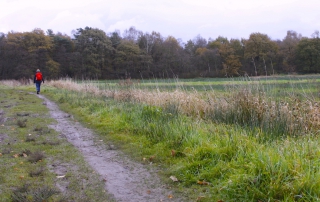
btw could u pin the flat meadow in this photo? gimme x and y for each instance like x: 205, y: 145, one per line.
x: 235, y: 139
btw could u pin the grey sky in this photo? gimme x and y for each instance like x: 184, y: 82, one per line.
x: 184, y: 19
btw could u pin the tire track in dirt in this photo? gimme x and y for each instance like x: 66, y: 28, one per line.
x: 126, y: 180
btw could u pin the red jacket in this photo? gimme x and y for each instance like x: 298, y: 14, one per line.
x: 39, y: 76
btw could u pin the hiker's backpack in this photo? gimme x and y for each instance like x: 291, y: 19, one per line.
x: 38, y: 76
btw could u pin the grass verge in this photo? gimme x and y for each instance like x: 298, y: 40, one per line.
x: 34, y: 165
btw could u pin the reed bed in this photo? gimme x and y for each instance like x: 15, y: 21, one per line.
x: 246, y: 105
x: 15, y: 83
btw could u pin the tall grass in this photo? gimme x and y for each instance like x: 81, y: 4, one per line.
x: 250, y: 104
x: 211, y: 142
x: 252, y: 108
x: 15, y: 83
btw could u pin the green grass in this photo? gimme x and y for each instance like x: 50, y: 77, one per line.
x: 213, y: 160
x: 31, y: 152
x: 214, y: 156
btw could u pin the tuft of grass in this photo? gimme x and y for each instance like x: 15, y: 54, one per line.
x: 36, y: 156
x: 25, y: 151
x: 22, y: 123
x: 51, y: 142
x: 6, y: 151
x: 41, y: 130
x: 23, y: 114
x: 30, y: 139
x: 20, y: 193
x: 38, y: 128
x: 37, y: 172
x: 25, y: 193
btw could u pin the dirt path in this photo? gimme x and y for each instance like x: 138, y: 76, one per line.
x: 125, y: 180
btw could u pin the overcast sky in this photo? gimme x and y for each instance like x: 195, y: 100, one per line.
x: 182, y: 19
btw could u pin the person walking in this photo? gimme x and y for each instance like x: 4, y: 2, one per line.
x: 38, y: 78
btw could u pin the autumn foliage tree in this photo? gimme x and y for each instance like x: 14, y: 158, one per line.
x: 258, y: 49
x: 91, y: 53
x: 24, y: 53
x: 229, y: 55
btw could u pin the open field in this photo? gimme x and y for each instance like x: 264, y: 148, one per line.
x: 284, y: 83
x: 240, y: 140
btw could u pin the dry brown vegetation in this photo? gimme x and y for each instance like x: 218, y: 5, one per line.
x: 242, y: 105
x: 188, y: 103
x: 11, y: 83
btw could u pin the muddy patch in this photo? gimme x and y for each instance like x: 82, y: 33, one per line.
x: 124, y: 179
x: 61, y: 170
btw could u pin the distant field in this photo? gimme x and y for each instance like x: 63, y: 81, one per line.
x: 305, y: 85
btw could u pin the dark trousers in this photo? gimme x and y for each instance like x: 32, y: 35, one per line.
x: 38, y: 84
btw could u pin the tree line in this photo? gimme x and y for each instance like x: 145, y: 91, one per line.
x: 93, y: 54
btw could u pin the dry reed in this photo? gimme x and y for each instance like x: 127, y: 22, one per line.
x: 15, y: 83
x: 243, y: 104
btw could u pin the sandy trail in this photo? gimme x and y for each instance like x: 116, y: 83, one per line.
x: 124, y: 179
